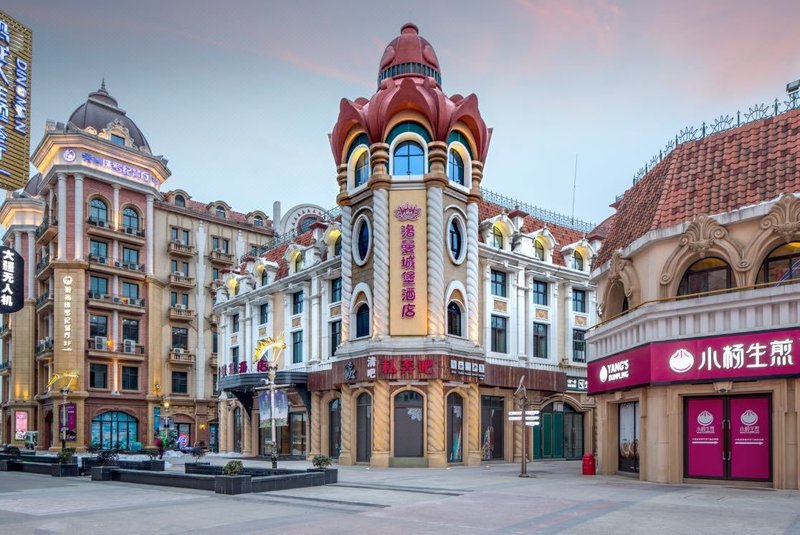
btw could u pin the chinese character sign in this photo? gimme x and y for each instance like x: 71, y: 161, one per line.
x: 15, y: 102
x: 408, y: 263
x: 12, y: 278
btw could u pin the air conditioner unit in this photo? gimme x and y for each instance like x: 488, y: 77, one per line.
x: 100, y: 343
x: 102, y: 260
x: 117, y: 300
x: 177, y: 273
x: 129, y: 346
x: 180, y: 306
x: 564, y: 361
x: 130, y: 230
x: 178, y: 350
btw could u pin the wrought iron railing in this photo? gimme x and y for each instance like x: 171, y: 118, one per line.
x: 334, y: 214
x: 547, y: 216
x: 720, y: 124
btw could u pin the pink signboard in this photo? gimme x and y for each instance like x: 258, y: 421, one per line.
x: 739, y: 356
x: 704, y: 438
x: 750, y: 438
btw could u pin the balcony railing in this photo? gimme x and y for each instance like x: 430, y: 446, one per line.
x: 180, y: 248
x: 180, y: 312
x: 179, y: 279
x: 42, y: 263
x: 42, y: 299
x: 46, y: 224
x: 44, y: 345
x: 132, y: 231
x: 121, y: 264
x: 103, y: 344
x: 5, y: 366
x: 99, y: 223
x: 181, y: 356
x: 221, y: 256
x: 130, y: 301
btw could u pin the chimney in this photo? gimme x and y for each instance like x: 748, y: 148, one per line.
x: 276, y: 217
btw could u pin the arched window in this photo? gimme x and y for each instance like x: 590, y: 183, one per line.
x: 264, y: 278
x: 497, y: 237
x: 180, y: 201
x: 334, y: 427
x: 455, y: 168
x: 538, y: 250
x: 221, y: 212
x: 114, y: 429
x: 706, y: 275
x: 454, y: 319
x: 409, y: 159
x: 130, y: 218
x: 361, y: 170
x: 98, y: 211
x: 782, y: 264
x: 577, y: 261
x: 337, y: 246
x: 298, y: 262
x: 362, y: 320
x: 258, y: 221
x: 455, y: 239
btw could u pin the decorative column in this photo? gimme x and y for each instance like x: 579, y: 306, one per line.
x: 18, y: 241
x: 345, y: 453
x: 78, y: 217
x: 473, y: 453
x: 521, y: 307
x: 488, y: 307
x: 380, y: 262
x: 567, y: 316
x: 347, y: 270
x: 117, y: 217
x: 435, y: 182
x: 473, y: 316
x: 31, y: 264
x: 381, y: 431
x: 518, y: 427
x: 150, y: 234
x: 62, y: 216
x: 314, y: 335
x: 435, y: 421
x: 315, y: 447
x: 200, y: 306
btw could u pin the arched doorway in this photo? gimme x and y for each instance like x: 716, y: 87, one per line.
x: 408, y: 424
x: 363, y: 428
x: 455, y: 427
x: 47, y: 439
x: 237, y: 430
x: 560, y: 435
x: 334, y: 428
x: 114, y: 429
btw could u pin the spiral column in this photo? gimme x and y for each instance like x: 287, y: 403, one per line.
x: 435, y: 423
x: 474, y: 423
x: 380, y: 262
x: 347, y: 269
x: 435, y: 201
x: 518, y: 430
x: 315, y: 447
x: 347, y: 408
x: 473, y: 322
x: 381, y: 430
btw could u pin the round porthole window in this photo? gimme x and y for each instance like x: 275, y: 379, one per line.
x: 455, y: 239
x: 363, y: 240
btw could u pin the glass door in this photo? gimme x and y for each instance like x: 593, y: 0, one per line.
x: 629, y: 437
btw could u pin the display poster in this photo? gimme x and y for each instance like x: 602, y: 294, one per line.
x: 705, y: 444
x: 156, y: 420
x: 20, y: 425
x: 70, y: 411
x: 281, y: 409
x: 750, y: 437
x: 629, y: 437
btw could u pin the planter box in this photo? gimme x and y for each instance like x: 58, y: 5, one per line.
x: 331, y: 474
x: 233, y: 484
x: 10, y: 466
x: 102, y: 473
x: 65, y: 470
x: 157, y: 465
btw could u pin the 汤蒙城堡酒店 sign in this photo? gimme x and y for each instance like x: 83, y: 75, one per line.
x: 731, y: 357
x: 15, y: 102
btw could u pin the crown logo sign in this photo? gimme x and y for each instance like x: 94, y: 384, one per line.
x: 407, y: 212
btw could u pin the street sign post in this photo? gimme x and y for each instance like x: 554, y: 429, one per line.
x: 526, y: 415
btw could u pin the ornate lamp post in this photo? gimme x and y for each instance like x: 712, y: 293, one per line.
x: 71, y: 376
x: 277, y: 345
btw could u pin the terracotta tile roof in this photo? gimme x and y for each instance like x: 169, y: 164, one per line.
x: 276, y: 255
x: 197, y: 206
x: 744, y: 166
x: 600, y: 232
x: 563, y: 235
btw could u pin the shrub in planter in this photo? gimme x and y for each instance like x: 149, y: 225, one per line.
x: 107, y: 457
x: 151, y: 452
x: 198, y: 452
x: 233, y: 468
x: 66, y: 456
x: 321, y: 461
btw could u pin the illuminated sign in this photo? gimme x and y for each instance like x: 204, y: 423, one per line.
x: 66, y: 344
x: 128, y: 171
x: 408, y: 261
x: 15, y: 102
x: 20, y: 424
x: 12, y: 275
x: 70, y: 413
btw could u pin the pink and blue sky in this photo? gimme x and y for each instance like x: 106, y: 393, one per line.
x: 240, y: 96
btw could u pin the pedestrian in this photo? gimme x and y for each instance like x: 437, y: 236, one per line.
x: 160, y: 446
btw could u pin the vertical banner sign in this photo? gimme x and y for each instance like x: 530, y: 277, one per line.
x: 15, y: 102
x: 281, y: 409
x: 12, y: 278
x: 750, y: 438
x: 408, y: 263
x: 263, y: 409
x: 20, y: 425
x: 704, y: 438
x: 156, y: 419
x: 71, y: 412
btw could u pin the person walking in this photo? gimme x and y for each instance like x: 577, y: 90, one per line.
x: 160, y: 446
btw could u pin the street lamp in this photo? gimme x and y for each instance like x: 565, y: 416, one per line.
x: 277, y: 345
x: 64, y: 392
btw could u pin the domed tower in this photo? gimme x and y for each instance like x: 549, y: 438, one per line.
x: 409, y: 162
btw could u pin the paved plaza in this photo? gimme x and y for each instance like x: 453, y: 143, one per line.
x: 489, y: 499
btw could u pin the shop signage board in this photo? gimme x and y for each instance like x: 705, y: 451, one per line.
x: 71, y: 412
x: 408, y: 244
x: 750, y: 438
x: 740, y: 356
x: 705, y: 444
x: 15, y: 102
x: 12, y: 278
x: 20, y: 425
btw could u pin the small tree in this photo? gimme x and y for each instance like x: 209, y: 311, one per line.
x: 233, y: 468
x: 107, y: 457
x: 321, y: 461
x: 198, y: 451
x: 66, y: 455
x: 152, y: 453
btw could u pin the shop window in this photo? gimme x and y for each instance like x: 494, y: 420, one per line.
x: 455, y: 419
x: 297, y: 347
x: 492, y: 419
x: 363, y: 428
x: 540, y: 331
x: 579, y: 301
x: 498, y: 282
x: 499, y: 334
x: 453, y: 319
x: 409, y: 159
x: 781, y: 265
x: 362, y: 321
x: 180, y: 382
x: 98, y: 375
x: 334, y: 428
x: 408, y: 424
x: 540, y: 293
x: 707, y: 275
x: 116, y: 430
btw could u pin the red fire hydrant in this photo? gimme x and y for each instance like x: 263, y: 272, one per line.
x: 588, y: 464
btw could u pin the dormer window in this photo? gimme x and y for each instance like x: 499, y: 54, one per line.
x: 117, y: 140
x: 577, y: 261
x: 220, y: 212
x: 496, y: 237
x: 258, y: 221
x: 180, y: 201
x: 361, y: 171
x: 337, y: 247
x: 298, y: 263
x: 538, y: 250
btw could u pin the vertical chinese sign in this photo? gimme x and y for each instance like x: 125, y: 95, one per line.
x: 71, y: 413
x: 12, y: 276
x: 15, y: 102
x: 408, y: 263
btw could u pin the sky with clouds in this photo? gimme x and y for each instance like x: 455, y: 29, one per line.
x: 240, y: 96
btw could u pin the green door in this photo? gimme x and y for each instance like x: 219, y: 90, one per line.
x: 548, y: 438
